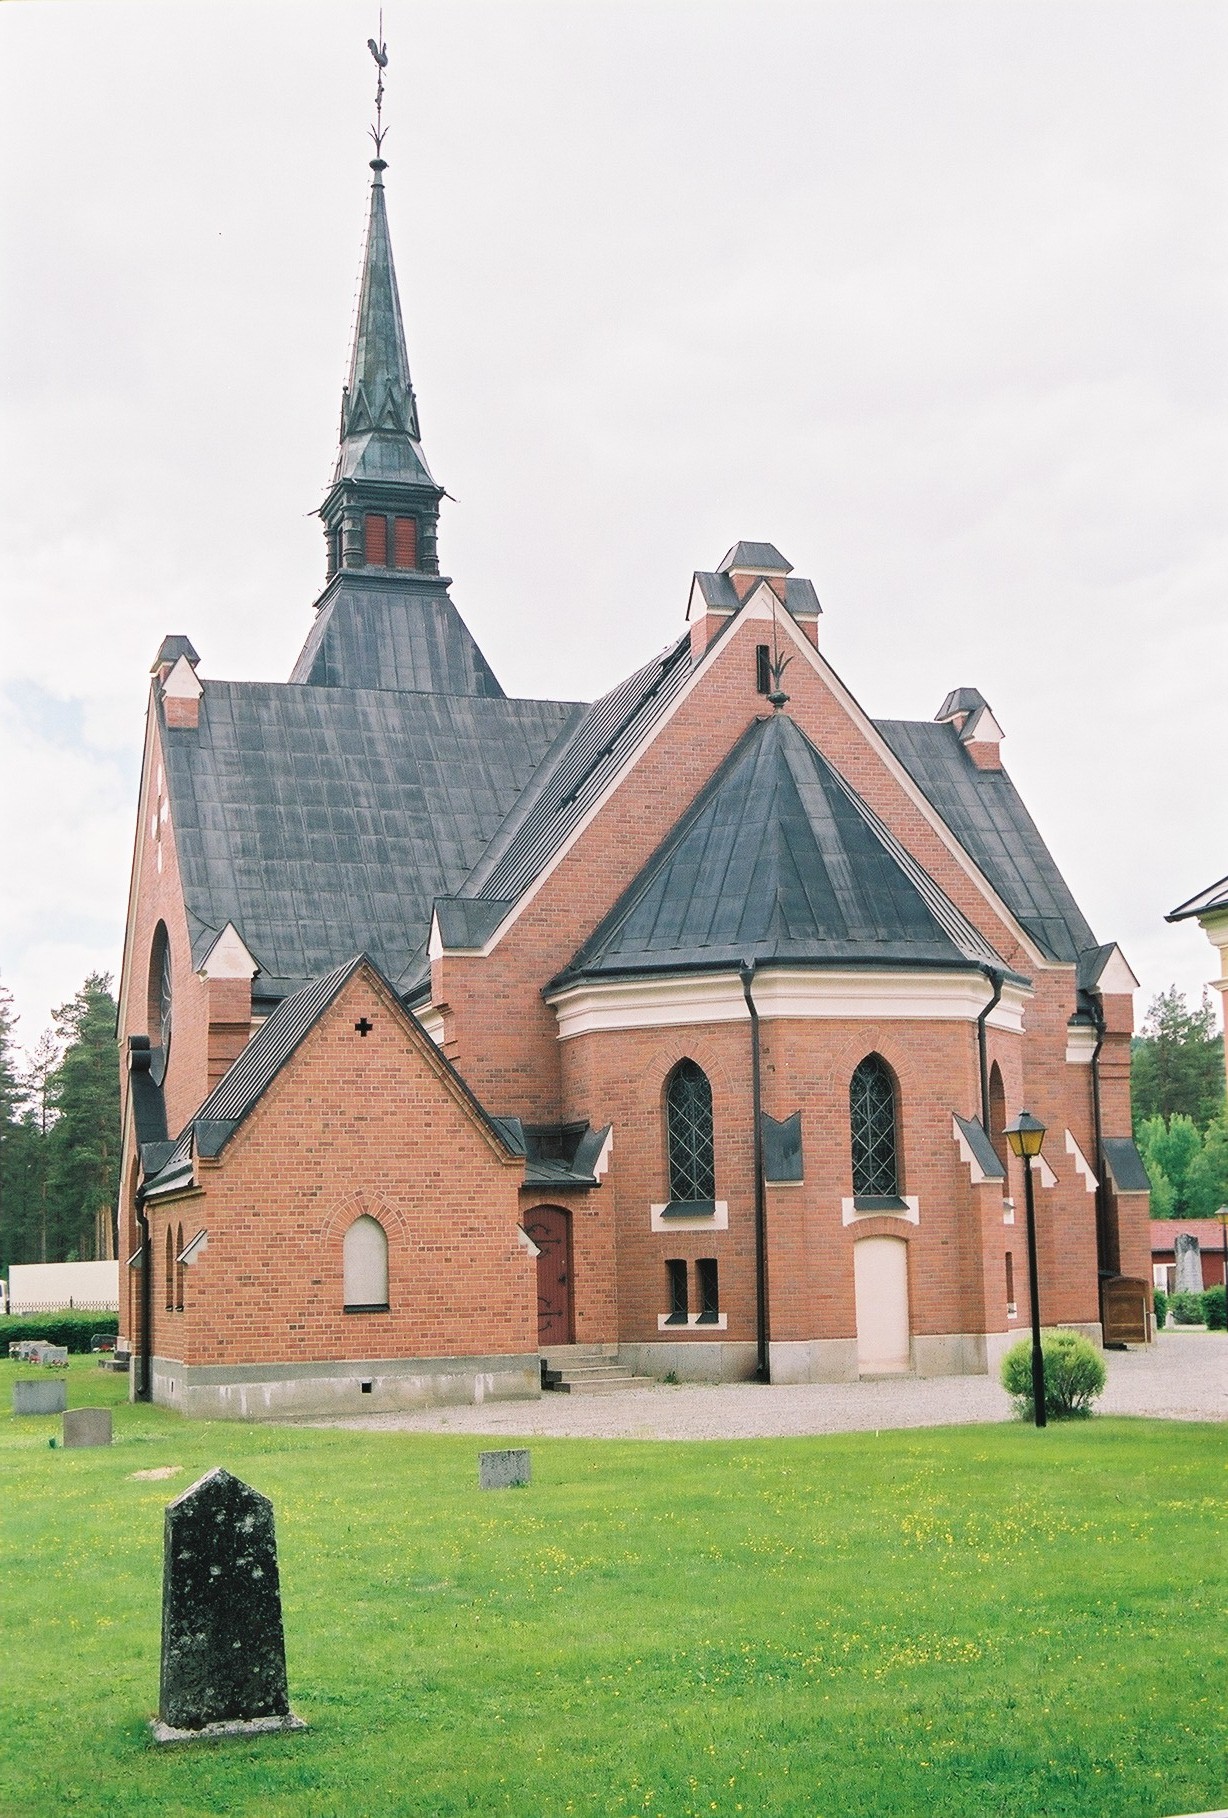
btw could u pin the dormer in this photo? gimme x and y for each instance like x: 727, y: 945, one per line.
x: 967, y: 710
x: 181, y: 687
x: 747, y: 568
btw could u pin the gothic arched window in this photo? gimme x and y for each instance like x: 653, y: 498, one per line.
x: 872, y: 1125
x: 170, y: 1271
x: 179, y: 1270
x: 688, y: 1125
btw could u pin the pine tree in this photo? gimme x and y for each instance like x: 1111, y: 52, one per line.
x: 83, y: 1140
x: 1177, y: 1066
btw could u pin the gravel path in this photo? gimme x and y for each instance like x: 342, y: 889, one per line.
x: 1185, y: 1377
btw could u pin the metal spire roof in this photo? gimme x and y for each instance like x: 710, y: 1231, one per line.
x: 379, y: 413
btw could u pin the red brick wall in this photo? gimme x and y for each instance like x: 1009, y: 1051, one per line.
x: 353, y: 1124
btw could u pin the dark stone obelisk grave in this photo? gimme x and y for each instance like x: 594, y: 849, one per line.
x: 223, y: 1648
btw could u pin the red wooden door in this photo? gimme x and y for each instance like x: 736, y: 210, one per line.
x: 550, y: 1229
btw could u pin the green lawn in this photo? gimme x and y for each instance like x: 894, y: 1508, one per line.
x: 977, y: 1621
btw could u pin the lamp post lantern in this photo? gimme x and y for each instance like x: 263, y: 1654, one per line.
x: 1025, y: 1137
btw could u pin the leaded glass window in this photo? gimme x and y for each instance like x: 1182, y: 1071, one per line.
x: 872, y: 1123
x: 688, y: 1113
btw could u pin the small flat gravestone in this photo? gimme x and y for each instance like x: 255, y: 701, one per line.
x: 87, y: 1427
x: 223, y: 1647
x: 504, y: 1470
x: 45, y: 1396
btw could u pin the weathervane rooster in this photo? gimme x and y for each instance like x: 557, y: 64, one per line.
x: 379, y: 50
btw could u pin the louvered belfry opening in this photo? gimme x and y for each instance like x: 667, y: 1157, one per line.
x: 376, y: 536
x: 405, y: 542
x: 688, y: 1109
x: 872, y: 1127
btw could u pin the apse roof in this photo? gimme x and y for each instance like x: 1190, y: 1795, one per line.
x: 324, y: 821
x: 984, y: 811
x: 780, y: 860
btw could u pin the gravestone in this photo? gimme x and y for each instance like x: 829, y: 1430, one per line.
x: 223, y: 1647
x: 45, y: 1396
x: 1189, y: 1264
x: 87, y: 1427
x: 503, y: 1470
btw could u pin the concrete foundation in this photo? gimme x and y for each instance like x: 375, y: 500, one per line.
x: 298, y: 1391
x: 813, y: 1360
x: 699, y: 1361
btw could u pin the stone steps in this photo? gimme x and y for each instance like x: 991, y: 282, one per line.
x: 587, y: 1370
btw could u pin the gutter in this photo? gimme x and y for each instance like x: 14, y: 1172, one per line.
x: 763, y: 1371
x: 1102, y: 1211
x: 143, y: 1387
x: 995, y: 978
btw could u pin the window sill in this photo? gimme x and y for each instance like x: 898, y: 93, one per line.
x: 708, y: 1322
x: 881, y: 1206
x: 700, y: 1214
x: 382, y: 1308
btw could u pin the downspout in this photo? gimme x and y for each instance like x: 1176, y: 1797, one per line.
x: 995, y: 978
x: 1102, y: 1211
x: 763, y: 1372
x: 144, y: 1380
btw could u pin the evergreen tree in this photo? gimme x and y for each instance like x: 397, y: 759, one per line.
x: 1177, y: 1065
x: 1207, y: 1182
x: 83, y: 1140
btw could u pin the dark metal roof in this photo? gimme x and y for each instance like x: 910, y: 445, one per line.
x: 1214, y: 897
x: 751, y: 558
x: 960, y: 700
x: 556, y: 1155
x: 393, y: 631
x: 779, y: 859
x: 324, y: 821
x: 584, y: 762
x: 721, y: 595
x: 248, y: 1077
x: 987, y: 1159
x: 171, y: 649
x: 379, y: 416
x: 984, y: 811
x: 1125, y: 1164
x: 782, y: 1147
x: 467, y: 922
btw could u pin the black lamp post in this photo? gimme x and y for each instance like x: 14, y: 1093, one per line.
x: 1025, y: 1137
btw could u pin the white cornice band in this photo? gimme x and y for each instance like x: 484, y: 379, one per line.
x: 783, y: 992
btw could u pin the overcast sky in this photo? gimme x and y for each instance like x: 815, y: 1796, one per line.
x: 930, y: 296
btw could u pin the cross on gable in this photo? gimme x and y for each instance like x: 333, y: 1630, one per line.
x: 363, y: 1027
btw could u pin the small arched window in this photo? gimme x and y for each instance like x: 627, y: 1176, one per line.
x: 170, y: 1271
x: 997, y: 1114
x: 872, y: 1126
x: 365, y: 1257
x: 159, y: 1006
x: 180, y: 1271
x: 688, y: 1123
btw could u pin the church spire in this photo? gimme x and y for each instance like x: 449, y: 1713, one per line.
x: 384, y: 618
x: 379, y: 413
x: 383, y: 506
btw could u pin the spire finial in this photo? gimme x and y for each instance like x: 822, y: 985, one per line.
x: 379, y: 50
x: 776, y: 668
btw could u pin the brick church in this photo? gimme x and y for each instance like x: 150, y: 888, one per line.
x: 463, y: 1034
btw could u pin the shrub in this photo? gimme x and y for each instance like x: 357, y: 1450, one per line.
x: 1213, y: 1309
x: 76, y: 1330
x: 1186, y: 1309
x: 1074, y: 1375
x: 1161, y: 1306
